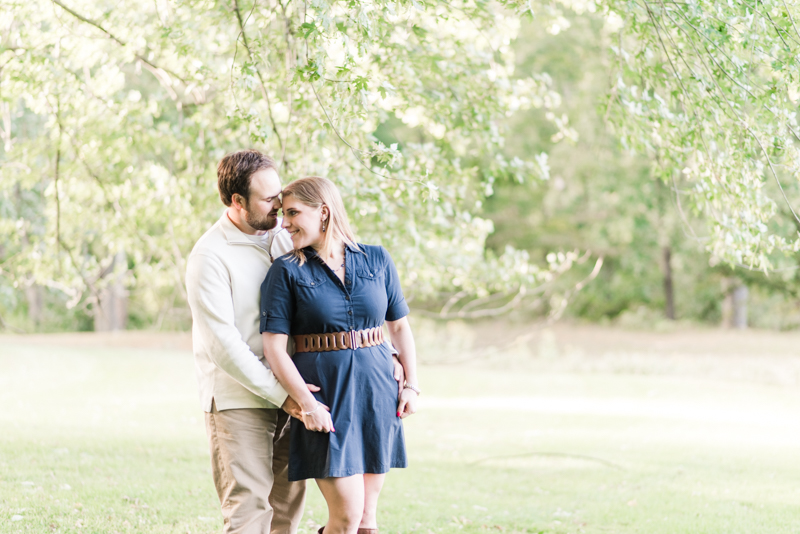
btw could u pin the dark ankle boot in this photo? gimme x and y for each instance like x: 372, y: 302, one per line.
x: 321, y: 529
x: 367, y: 531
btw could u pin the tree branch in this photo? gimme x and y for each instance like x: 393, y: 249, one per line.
x: 56, y: 173
x: 452, y: 301
x: 789, y: 14
x: 552, y: 318
x: 777, y: 31
x: 686, y: 103
x: 724, y: 71
x: 772, y: 168
x: 734, y: 112
x: 114, y: 38
x: 264, y: 92
x: 60, y: 242
x: 7, y: 326
x: 353, y: 149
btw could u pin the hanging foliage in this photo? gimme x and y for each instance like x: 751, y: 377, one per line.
x: 115, y: 114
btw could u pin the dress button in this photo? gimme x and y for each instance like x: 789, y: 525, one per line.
x: 312, y: 283
x: 349, y: 312
x: 370, y: 275
x: 263, y: 314
x: 347, y: 297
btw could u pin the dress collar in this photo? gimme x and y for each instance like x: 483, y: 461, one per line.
x: 310, y: 250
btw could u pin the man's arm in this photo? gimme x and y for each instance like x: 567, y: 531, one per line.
x: 209, y: 291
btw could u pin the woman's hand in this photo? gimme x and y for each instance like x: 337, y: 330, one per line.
x: 292, y: 407
x: 403, y: 341
x: 407, y: 404
x: 319, y: 420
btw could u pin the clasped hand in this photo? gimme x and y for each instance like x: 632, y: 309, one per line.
x: 407, y: 403
x: 318, y: 421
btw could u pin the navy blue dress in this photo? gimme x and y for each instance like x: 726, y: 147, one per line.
x: 357, y: 385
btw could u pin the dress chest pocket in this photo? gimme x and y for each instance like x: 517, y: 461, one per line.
x: 312, y: 282
x: 368, y: 275
x: 371, y: 281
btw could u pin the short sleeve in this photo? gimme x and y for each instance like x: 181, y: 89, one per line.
x: 277, y: 301
x: 397, y: 307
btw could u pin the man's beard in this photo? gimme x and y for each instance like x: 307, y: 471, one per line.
x: 262, y: 223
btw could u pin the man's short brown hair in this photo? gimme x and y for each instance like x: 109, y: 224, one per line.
x: 235, y: 171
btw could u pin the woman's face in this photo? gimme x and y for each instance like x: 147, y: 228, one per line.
x: 303, y: 223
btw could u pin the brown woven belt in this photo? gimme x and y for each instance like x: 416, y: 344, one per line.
x: 354, y: 339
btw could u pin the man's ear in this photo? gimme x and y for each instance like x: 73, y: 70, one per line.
x: 238, y: 201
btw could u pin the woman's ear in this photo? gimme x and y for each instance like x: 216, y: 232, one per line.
x: 325, y: 213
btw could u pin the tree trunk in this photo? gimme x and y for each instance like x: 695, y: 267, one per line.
x: 739, y: 319
x: 669, y: 292
x: 34, y: 294
x: 112, y: 309
x: 734, y: 307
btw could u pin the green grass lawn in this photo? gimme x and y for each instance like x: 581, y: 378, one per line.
x: 104, y: 439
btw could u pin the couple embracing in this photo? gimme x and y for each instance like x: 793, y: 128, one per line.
x: 296, y: 378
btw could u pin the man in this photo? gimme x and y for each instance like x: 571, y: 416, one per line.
x: 247, y: 431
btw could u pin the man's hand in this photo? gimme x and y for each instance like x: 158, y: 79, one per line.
x: 292, y: 408
x: 399, y: 374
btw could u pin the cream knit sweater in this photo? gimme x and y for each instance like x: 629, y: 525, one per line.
x: 223, y: 282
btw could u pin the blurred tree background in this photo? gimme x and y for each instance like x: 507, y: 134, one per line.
x: 620, y: 204
x: 600, y: 197
x: 495, y: 150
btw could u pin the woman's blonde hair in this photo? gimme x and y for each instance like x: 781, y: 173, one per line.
x: 314, y: 191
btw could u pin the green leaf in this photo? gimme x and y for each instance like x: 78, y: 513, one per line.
x: 307, y: 28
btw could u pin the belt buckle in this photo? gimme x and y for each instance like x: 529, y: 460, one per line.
x: 353, y: 340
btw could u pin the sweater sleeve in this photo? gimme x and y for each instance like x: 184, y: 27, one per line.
x: 208, y: 287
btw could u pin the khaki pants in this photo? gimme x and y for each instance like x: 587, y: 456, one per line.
x: 250, y: 462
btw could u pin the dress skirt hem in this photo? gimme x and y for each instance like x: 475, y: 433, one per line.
x: 347, y: 473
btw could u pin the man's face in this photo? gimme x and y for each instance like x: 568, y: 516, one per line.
x: 261, y: 209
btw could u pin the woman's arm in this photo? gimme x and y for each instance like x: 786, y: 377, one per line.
x: 403, y: 340
x: 318, y: 420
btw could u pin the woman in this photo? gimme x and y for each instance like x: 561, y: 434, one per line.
x: 332, y: 296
